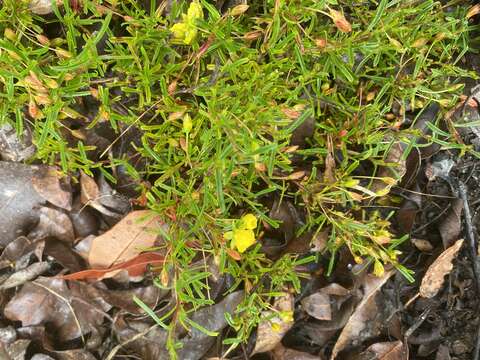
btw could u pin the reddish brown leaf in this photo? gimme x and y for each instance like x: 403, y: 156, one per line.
x: 135, y: 267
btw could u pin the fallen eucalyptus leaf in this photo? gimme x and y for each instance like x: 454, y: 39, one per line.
x: 128, y: 238
x: 433, y: 279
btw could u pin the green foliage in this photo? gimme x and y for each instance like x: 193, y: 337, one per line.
x: 216, y: 114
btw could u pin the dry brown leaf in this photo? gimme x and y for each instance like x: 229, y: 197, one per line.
x: 53, y: 223
x: 318, y: 306
x: 340, y: 22
x: 48, y: 185
x: 91, y: 195
x: 133, y: 234
x: 433, y: 280
x: 422, y: 245
x: 320, y: 240
x: 394, y: 350
x: 451, y: 225
x: 394, y: 157
x: 42, y: 7
x: 362, y: 315
x: 329, y: 174
x: 24, y: 275
x: 271, y: 330
x: 50, y: 301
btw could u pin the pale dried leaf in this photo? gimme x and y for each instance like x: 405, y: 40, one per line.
x: 92, y: 196
x: 49, y: 186
x: 53, y: 223
x: 433, y: 280
x: 27, y: 274
x: 362, y: 315
x: 451, y: 225
x: 318, y: 306
x: 319, y: 241
x: 394, y: 350
x: 42, y: 7
x: 13, y: 148
x: 128, y: 238
x: 422, y: 245
x: 271, y: 330
x: 397, y: 167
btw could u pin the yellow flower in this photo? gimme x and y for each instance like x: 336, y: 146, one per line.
x: 378, y: 269
x: 243, y: 239
x: 248, y: 222
x: 186, y: 30
x: 194, y: 11
x: 179, y: 30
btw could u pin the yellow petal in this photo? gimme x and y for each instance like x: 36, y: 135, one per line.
x: 243, y: 239
x: 179, y: 30
x: 194, y: 11
x: 190, y: 35
x: 248, y: 221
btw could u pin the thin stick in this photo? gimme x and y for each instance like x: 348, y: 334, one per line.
x: 462, y: 189
x: 68, y: 304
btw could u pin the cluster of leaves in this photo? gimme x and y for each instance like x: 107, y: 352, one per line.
x: 221, y: 101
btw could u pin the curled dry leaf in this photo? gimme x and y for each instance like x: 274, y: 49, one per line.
x: 53, y: 223
x: 451, y: 225
x: 433, y: 280
x: 133, y: 234
x: 275, y: 324
x: 24, y: 275
x: 363, y: 314
x: 318, y: 306
x: 52, y: 188
x: 91, y: 195
x: 340, y: 22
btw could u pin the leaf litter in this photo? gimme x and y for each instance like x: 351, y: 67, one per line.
x: 49, y: 223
